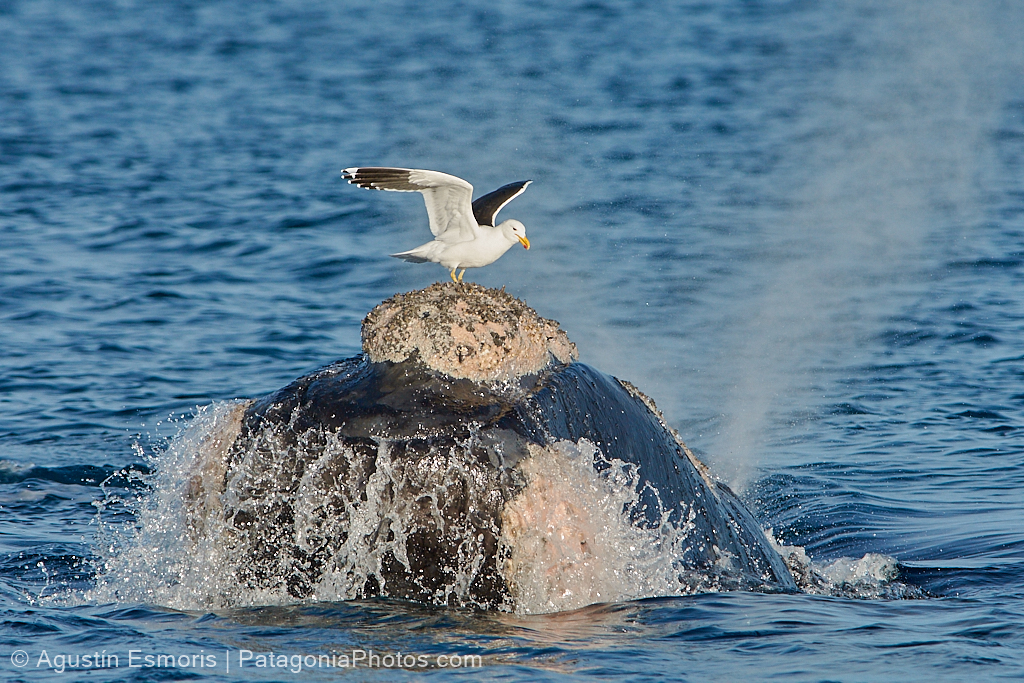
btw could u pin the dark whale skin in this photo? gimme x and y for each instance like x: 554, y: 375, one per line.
x: 452, y: 446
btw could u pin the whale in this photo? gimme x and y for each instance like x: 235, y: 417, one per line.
x: 466, y: 458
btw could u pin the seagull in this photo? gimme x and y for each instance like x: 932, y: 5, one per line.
x: 465, y: 235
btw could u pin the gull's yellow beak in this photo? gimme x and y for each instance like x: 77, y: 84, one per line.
x: 525, y: 242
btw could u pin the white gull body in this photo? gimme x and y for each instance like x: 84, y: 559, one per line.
x: 465, y: 235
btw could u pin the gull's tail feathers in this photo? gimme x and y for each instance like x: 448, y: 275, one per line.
x: 412, y: 256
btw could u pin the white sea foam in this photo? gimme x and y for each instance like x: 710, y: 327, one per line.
x: 870, y: 577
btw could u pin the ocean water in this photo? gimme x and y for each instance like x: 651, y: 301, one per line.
x: 797, y: 226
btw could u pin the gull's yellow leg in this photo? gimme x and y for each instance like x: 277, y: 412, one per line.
x: 453, y: 274
x: 461, y: 274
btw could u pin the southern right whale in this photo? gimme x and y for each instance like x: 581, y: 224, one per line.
x: 464, y: 458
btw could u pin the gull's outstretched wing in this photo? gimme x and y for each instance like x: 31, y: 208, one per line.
x: 486, y: 209
x: 448, y: 198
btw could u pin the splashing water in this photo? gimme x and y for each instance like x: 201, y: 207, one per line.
x: 873, y: 576
x: 153, y: 561
x: 570, y: 541
x: 213, y: 532
x: 567, y: 538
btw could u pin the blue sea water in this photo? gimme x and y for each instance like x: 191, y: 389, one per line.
x: 798, y: 226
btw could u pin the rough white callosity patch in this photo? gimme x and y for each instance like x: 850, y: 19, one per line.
x: 569, y: 540
x: 465, y: 331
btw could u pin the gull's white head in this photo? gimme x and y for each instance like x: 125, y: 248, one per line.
x: 514, y: 230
